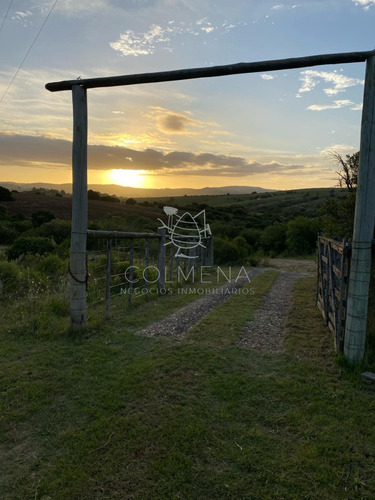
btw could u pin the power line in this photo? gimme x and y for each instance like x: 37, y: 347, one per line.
x: 29, y: 50
x: 6, y: 14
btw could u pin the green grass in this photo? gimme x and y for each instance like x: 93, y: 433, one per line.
x: 108, y: 414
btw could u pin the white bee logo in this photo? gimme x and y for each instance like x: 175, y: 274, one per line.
x: 185, y: 232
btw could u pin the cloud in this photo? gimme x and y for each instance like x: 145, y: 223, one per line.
x: 311, y: 78
x: 205, y: 25
x: 46, y: 152
x: 140, y: 44
x: 267, y: 77
x: 72, y: 8
x: 366, y: 4
x: 336, y: 105
x: 131, y: 43
x: 343, y: 149
x: 174, y: 123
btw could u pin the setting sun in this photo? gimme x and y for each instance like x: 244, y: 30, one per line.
x: 128, y: 178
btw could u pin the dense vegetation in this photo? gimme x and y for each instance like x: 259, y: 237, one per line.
x: 245, y: 227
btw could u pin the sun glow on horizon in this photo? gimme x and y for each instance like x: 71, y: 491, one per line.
x: 128, y: 178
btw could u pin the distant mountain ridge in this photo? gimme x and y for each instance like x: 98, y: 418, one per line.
x: 130, y: 192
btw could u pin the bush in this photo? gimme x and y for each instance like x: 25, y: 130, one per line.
x: 41, y: 217
x: 57, y: 229
x: 52, y: 266
x: 242, y: 247
x: 337, y: 217
x: 273, y: 237
x: 7, y: 234
x: 225, y: 252
x: 252, y: 237
x: 34, y: 245
x: 302, y: 235
x: 5, y: 194
x: 9, y: 277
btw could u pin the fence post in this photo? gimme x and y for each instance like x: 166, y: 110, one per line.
x: 78, y: 265
x: 161, y: 257
x: 108, y: 279
x: 356, y: 317
x: 131, y: 273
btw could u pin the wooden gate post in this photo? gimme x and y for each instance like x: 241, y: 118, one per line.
x: 78, y: 265
x: 161, y: 257
x: 356, y: 316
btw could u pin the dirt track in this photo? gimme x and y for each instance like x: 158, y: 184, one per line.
x: 265, y: 332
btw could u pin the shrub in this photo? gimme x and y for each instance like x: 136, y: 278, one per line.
x: 225, y: 252
x: 41, y: 217
x: 301, y: 235
x: 52, y: 266
x: 273, y: 237
x: 5, y: 194
x: 34, y: 245
x: 3, y: 212
x: 252, y: 236
x: 7, y: 234
x: 242, y: 247
x: 32, y: 284
x: 9, y: 277
x: 57, y: 229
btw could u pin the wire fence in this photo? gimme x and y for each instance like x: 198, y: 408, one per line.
x: 138, y: 265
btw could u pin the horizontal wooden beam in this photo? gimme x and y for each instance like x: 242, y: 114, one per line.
x: 212, y: 71
x: 91, y: 233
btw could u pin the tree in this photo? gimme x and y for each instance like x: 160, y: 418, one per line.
x: 337, y: 216
x: 301, y: 235
x: 5, y: 194
x: 130, y: 201
x: 348, y: 169
x: 93, y: 195
x: 272, y: 239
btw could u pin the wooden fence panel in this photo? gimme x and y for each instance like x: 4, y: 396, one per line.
x: 332, y: 287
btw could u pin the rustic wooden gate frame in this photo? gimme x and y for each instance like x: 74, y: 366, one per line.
x: 332, y: 285
x: 365, y: 204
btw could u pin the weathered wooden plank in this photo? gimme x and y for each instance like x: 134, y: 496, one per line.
x: 332, y: 319
x: 119, y: 234
x: 333, y: 330
x: 320, y: 305
x: 337, y: 245
x: 212, y: 71
x: 336, y: 271
x: 363, y: 233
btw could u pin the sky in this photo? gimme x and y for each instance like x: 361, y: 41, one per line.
x: 275, y: 130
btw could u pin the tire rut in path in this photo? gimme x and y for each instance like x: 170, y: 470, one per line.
x: 179, y: 322
x: 265, y: 332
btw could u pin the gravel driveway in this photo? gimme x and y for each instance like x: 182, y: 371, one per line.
x: 264, y: 333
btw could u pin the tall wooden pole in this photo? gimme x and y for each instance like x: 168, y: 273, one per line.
x: 356, y: 316
x: 78, y: 265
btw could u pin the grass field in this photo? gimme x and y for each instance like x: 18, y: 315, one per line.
x: 108, y: 414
